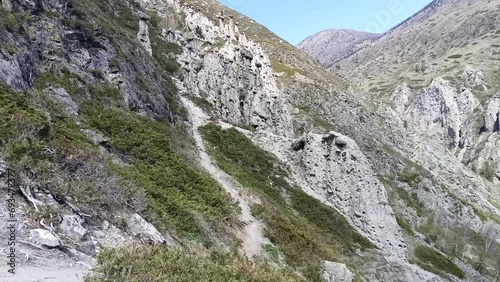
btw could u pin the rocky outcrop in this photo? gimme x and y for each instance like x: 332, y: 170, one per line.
x: 144, y: 230
x: 229, y: 71
x: 332, y: 168
x: 143, y: 35
x: 44, y: 238
x: 439, y: 110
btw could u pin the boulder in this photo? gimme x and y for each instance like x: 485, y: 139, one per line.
x: 299, y: 144
x: 341, y: 141
x: 139, y: 227
x: 44, y: 238
x: 71, y: 226
x: 62, y: 96
x: 336, y: 272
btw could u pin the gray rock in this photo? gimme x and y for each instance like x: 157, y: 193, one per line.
x: 341, y: 141
x: 96, y: 137
x: 71, y: 226
x: 143, y: 36
x: 143, y: 229
x: 336, y: 272
x: 62, y: 96
x: 7, y: 5
x: 87, y: 247
x: 299, y: 144
x: 44, y: 238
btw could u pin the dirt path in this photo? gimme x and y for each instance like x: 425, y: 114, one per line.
x: 252, y: 237
x: 42, y: 274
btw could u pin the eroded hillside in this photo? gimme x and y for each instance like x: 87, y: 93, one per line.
x: 189, y: 127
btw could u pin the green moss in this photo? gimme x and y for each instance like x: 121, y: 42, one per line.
x: 280, y: 67
x: 138, y: 264
x: 435, y: 262
x: 177, y: 192
x: 273, y: 252
x: 8, y: 21
x: 328, y: 219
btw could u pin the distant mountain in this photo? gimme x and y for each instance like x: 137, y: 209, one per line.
x: 333, y: 45
x: 443, y: 36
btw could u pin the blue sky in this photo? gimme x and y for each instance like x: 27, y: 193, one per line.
x: 294, y: 20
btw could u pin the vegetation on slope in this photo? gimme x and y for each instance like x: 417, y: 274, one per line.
x: 305, y: 230
x: 433, y: 261
x: 134, y: 264
x: 177, y: 192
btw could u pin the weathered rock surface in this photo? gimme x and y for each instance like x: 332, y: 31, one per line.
x: 71, y: 226
x: 341, y: 176
x: 44, y: 238
x: 236, y: 78
x: 336, y: 272
x: 143, y: 229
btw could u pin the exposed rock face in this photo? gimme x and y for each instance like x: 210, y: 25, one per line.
x: 236, y: 78
x: 438, y: 110
x: 143, y: 36
x: 332, y: 168
x: 44, y: 238
x: 330, y: 46
x: 143, y: 229
x: 71, y: 226
x: 63, y: 96
x: 336, y: 272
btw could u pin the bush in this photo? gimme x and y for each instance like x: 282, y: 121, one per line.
x: 177, y: 193
x: 435, y: 262
x: 140, y: 263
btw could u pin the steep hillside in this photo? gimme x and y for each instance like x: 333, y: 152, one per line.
x: 177, y: 140
x: 331, y: 46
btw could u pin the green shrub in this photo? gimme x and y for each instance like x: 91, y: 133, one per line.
x: 158, y: 264
x: 8, y: 21
x: 19, y: 117
x: 177, y: 192
x: 435, y: 262
x: 280, y: 67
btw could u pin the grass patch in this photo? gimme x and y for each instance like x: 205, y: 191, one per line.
x: 280, y: 67
x: 412, y: 201
x: 304, y: 229
x: 433, y: 261
x: 138, y: 264
x: 177, y: 192
x: 404, y: 225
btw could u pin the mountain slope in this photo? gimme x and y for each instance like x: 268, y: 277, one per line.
x: 185, y: 125
x: 331, y: 46
x: 444, y: 36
